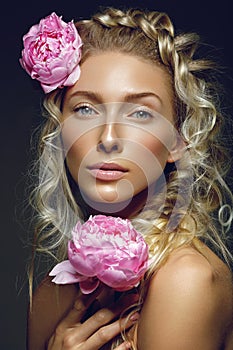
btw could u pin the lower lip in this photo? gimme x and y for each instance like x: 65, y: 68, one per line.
x: 107, y: 175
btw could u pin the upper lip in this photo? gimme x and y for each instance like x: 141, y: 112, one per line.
x: 108, y: 166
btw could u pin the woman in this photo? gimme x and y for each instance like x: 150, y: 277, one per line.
x: 134, y: 135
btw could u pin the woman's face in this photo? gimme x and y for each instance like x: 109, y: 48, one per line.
x: 118, y: 129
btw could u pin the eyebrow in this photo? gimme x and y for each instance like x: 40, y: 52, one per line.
x: 98, y: 98
x: 94, y: 96
x: 140, y: 95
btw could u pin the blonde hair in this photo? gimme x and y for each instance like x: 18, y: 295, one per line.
x: 198, y: 176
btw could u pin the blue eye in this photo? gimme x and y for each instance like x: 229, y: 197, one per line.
x: 142, y: 115
x: 84, y: 111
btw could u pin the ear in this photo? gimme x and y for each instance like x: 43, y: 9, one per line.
x: 177, y: 150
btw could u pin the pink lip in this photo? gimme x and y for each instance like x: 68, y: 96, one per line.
x: 107, y: 171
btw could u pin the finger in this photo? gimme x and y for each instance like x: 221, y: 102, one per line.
x: 124, y: 346
x: 109, y: 332
x: 72, y: 319
x: 80, y: 306
x: 96, y: 341
x: 93, y: 308
x: 103, y: 317
x: 76, y: 333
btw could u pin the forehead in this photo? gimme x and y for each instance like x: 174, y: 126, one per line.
x: 115, y: 74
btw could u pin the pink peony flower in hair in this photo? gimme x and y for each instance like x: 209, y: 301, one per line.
x: 52, y: 52
x: 104, y: 249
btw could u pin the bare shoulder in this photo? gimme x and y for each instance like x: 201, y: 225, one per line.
x: 50, y: 304
x: 192, y: 296
x: 188, y: 265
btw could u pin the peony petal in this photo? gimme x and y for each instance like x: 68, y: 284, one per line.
x: 73, y: 77
x: 49, y: 88
x: 61, y: 267
x: 67, y: 278
x: 121, y: 280
x: 113, y: 278
x: 87, y: 265
x: 57, y: 76
x: 89, y: 285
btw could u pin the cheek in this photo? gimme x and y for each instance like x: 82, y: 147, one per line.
x: 158, y: 149
x: 76, y: 132
x: 78, y: 138
x: 148, y: 157
x: 151, y: 150
x: 155, y: 139
x: 75, y: 153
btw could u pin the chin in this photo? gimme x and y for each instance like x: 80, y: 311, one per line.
x: 107, y: 203
x: 110, y: 204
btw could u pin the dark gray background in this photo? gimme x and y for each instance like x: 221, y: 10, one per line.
x: 20, y: 114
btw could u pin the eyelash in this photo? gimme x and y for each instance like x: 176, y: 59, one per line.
x: 77, y: 110
x: 148, y: 114
x: 84, y: 106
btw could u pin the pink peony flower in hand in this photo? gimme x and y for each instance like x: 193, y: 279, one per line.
x: 104, y: 249
x: 52, y: 52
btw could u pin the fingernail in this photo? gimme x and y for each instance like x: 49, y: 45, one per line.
x: 134, y: 316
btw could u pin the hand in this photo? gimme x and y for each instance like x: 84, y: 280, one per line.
x: 95, y: 331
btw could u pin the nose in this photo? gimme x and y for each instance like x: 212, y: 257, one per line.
x: 109, y: 141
